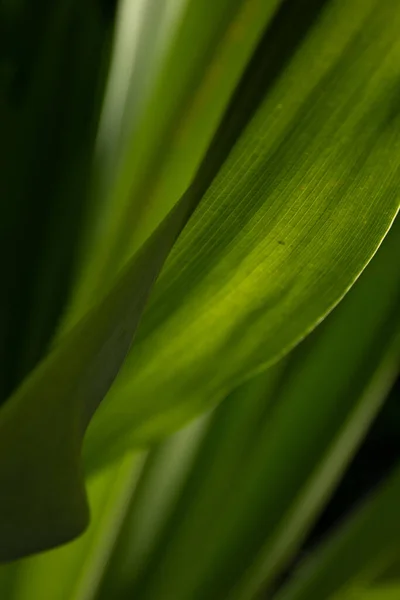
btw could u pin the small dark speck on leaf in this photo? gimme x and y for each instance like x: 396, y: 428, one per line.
x: 281, y: 243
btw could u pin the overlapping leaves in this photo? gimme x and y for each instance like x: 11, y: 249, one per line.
x: 295, y: 193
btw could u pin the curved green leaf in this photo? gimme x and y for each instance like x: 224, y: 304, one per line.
x: 49, y: 116
x: 73, y: 571
x: 296, y: 212
x: 275, y: 244
x: 273, y: 452
x: 149, y: 154
x: 237, y: 448
x: 43, y: 501
x: 42, y: 424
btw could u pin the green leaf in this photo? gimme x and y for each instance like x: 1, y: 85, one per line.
x: 275, y: 244
x: 365, y: 543
x: 48, y: 117
x: 43, y: 423
x: 390, y: 592
x: 291, y: 219
x: 193, y: 473
x: 73, y: 571
x: 270, y: 457
x: 163, y: 476
x: 155, y: 134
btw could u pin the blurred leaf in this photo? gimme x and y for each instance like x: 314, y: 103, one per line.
x: 299, y: 187
x: 162, y: 479
x: 208, y: 454
x: 66, y: 388
x: 42, y: 425
x: 379, y: 593
x: 72, y: 572
x: 57, y: 57
x: 152, y: 141
x: 297, y: 210
x: 271, y: 455
x: 365, y: 543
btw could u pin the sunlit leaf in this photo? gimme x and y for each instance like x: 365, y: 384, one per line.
x: 259, y: 141
x: 43, y: 423
x: 289, y: 222
x: 269, y: 458
x: 160, y: 145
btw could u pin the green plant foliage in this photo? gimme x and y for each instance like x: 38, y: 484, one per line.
x: 50, y: 103
x: 264, y: 470
x: 233, y: 482
x: 62, y: 393
x: 199, y: 223
x: 279, y: 236
x: 73, y: 571
x: 365, y: 544
x: 150, y: 156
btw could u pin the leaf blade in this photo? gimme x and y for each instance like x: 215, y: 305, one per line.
x: 278, y: 239
x: 271, y: 456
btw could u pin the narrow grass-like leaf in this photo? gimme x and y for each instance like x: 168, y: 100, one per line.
x: 389, y: 592
x: 293, y: 216
x: 164, y: 474
x: 41, y: 426
x: 72, y: 572
x: 287, y: 539
x: 160, y: 152
x: 368, y: 541
x: 49, y: 115
x: 275, y: 244
x: 272, y: 454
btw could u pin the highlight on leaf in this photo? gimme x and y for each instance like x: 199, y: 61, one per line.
x: 199, y: 324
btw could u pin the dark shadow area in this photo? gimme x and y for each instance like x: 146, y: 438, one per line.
x: 378, y: 454
x: 50, y: 105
